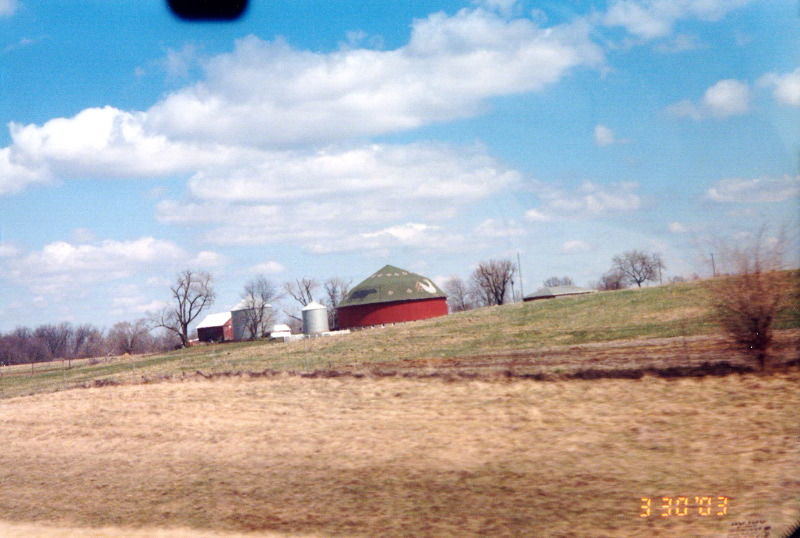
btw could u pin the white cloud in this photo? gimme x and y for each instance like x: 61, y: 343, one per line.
x: 725, y: 98
x: 103, y: 143
x: 786, y: 87
x: 575, y: 246
x: 269, y: 94
x: 313, y: 198
x: 589, y: 200
x: 535, y: 215
x: 7, y: 250
x: 755, y: 190
x: 61, y: 266
x: 7, y: 7
x: 388, y: 173
x: 179, y: 63
x: 653, y: 19
x: 603, y: 136
x: 14, y: 177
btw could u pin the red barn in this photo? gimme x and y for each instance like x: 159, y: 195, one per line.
x: 391, y: 295
x: 216, y: 328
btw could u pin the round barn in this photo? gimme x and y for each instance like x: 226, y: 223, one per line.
x: 391, y: 295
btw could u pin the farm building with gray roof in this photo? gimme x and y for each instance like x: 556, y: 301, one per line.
x: 556, y: 291
x: 391, y: 295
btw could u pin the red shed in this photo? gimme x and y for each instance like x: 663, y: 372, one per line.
x: 216, y: 328
x: 391, y: 295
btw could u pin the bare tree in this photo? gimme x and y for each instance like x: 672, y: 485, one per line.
x: 490, y: 281
x: 638, y: 266
x: 612, y: 280
x: 335, y: 291
x: 301, y: 290
x: 258, y: 295
x: 87, y: 341
x: 192, y: 292
x: 56, y: 338
x: 125, y: 337
x: 22, y: 346
x: 747, y: 300
x: 554, y: 282
x: 459, y: 298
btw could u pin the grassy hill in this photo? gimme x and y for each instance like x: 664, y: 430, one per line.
x: 413, y: 455
x: 677, y: 310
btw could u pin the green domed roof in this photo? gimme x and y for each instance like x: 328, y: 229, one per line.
x: 390, y: 284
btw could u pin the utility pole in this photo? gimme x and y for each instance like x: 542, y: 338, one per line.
x: 519, y: 269
x: 713, y: 266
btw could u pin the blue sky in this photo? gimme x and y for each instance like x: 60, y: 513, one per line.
x: 326, y: 139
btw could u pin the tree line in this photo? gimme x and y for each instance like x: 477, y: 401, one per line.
x: 492, y: 282
x: 44, y: 343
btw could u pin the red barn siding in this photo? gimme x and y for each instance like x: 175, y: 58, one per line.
x: 392, y: 312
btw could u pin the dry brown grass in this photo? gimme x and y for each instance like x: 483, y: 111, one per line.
x: 401, y: 457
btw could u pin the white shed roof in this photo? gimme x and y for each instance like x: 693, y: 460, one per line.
x: 215, y: 320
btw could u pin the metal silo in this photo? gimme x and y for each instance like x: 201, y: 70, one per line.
x: 315, y: 319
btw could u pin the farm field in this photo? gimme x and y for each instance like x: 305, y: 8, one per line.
x: 401, y: 457
x: 542, y: 419
x: 661, y: 327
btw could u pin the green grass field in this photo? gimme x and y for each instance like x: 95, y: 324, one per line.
x: 678, y: 310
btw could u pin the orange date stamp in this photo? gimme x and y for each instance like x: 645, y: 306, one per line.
x: 684, y: 506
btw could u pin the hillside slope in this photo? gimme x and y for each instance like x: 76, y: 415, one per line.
x: 533, y: 329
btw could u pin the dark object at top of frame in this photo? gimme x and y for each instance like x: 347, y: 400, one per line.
x: 208, y: 10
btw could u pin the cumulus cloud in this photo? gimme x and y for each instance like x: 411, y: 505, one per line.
x: 15, y: 177
x: 269, y: 94
x: 603, y: 136
x: 313, y: 198
x: 60, y: 266
x: 764, y: 189
x: 103, y: 143
x: 725, y: 98
x: 786, y: 88
x: 653, y: 19
x: 387, y: 172
x: 588, y: 200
